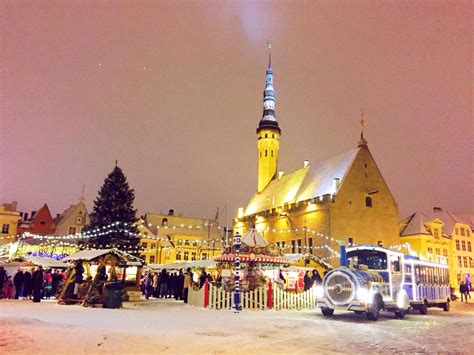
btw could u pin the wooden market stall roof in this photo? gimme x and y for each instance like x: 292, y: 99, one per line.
x: 177, y: 265
x: 94, y: 254
x: 46, y: 262
x: 295, y: 258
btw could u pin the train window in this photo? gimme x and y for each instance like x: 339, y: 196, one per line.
x: 408, y: 275
x: 394, y: 263
x: 417, y: 274
x: 375, y: 260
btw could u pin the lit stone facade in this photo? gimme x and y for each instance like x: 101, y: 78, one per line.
x: 342, y: 199
x: 9, y: 218
x: 167, y: 238
x: 72, y: 220
x: 442, y: 236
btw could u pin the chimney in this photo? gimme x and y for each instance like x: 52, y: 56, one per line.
x: 336, y: 182
x: 280, y: 174
x: 57, y: 215
x: 305, y: 163
x: 171, y: 212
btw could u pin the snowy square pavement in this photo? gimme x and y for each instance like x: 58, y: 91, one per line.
x: 167, y: 326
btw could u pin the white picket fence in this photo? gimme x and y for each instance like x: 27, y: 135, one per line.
x: 258, y: 299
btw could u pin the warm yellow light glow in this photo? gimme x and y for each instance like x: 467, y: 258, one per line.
x: 240, y: 213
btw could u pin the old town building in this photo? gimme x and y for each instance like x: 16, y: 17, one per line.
x: 168, y: 237
x: 442, y: 236
x: 73, y: 219
x: 39, y: 222
x: 9, y: 218
x: 341, y: 199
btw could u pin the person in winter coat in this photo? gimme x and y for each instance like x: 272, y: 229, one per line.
x: 463, y: 291
x: 7, y: 290
x: 27, y: 284
x: 148, y: 285
x: 317, y: 280
x: 18, y: 282
x: 163, y: 280
x: 178, y: 291
x: 308, y: 281
x: 56, y: 279
x: 78, y: 277
x: 47, y: 285
x: 37, y: 284
x: 3, y: 278
x: 202, y: 278
x: 188, y: 279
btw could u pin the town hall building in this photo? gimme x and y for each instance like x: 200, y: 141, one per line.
x: 341, y: 199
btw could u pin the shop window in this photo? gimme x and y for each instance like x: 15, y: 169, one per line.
x: 152, y: 259
x: 5, y: 228
x: 457, y: 245
x: 368, y: 201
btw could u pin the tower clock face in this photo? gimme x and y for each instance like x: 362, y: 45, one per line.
x: 78, y: 221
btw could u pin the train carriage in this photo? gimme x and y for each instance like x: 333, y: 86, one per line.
x: 372, y: 279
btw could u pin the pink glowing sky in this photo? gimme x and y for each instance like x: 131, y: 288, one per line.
x: 173, y: 90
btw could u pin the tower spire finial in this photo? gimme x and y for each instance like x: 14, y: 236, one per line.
x: 363, y: 141
x: 269, y: 54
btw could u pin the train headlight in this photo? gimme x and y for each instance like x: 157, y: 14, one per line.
x: 364, y: 295
x: 319, y: 290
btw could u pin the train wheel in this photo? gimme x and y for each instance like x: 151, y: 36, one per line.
x: 423, y: 309
x: 374, y: 312
x: 327, y: 311
x: 400, y: 313
x: 446, y: 307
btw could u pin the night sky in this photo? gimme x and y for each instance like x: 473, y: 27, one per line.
x: 173, y: 91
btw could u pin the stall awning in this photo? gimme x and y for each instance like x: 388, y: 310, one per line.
x: 46, y: 262
x: 258, y: 259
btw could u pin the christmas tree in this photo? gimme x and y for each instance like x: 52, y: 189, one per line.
x: 113, y: 216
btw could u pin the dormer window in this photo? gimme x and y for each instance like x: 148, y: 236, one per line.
x: 368, y: 201
x: 436, y: 233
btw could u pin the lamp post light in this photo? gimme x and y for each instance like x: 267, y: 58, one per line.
x: 237, y: 242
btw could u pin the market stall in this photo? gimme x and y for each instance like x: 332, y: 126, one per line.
x: 109, y: 273
x: 259, y: 261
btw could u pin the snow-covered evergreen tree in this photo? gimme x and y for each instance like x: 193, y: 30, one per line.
x: 114, y: 204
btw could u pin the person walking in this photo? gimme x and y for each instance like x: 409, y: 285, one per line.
x: 463, y: 291
x: 37, y: 284
x: 202, y: 278
x: 155, y: 291
x: 18, y: 282
x: 27, y: 284
x: 47, y: 285
x: 148, y: 285
x: 178, y: 294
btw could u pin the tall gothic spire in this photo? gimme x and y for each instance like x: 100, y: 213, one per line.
x: 363, y: 141
x: 268, y: 120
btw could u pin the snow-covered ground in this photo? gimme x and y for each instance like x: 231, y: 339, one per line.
x: 157, y: 326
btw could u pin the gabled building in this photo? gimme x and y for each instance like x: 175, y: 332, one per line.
x: 40, y: 222
x: 73, y: 219
x: 343, y: 198
x: 442, y: 236
x: 166, y: 238
x: 9, y: 218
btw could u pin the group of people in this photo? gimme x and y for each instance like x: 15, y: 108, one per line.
x: 174, y: 284
x: 311, y: 279
x: 36, y: 285
x: 464, y: 290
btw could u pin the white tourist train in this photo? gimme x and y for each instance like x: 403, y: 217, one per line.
x: 377, y: 279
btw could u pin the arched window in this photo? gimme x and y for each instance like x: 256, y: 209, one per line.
x: 273, y: 136
x: 266, y: 135
x: 272, y: 152
x: 266, y: 152
x: 368, y: 201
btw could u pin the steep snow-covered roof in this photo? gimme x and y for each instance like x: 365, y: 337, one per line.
x: 416, y: 225
x: 303, y: 184
x: 254, y: 239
